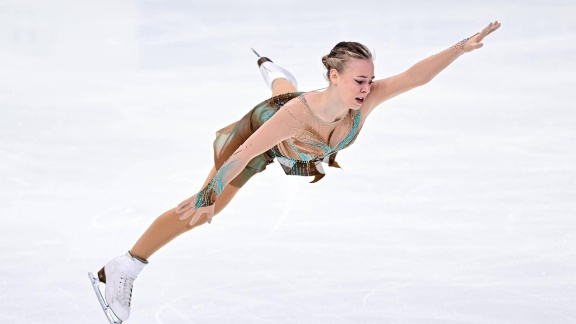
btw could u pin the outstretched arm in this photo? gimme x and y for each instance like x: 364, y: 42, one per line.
x: 425, y: 70
x: 278, y: 128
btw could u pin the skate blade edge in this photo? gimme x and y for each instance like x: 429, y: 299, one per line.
x: 105, y: 307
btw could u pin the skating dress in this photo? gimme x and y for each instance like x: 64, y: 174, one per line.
x: 290, y: 133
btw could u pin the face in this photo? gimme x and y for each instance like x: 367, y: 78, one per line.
x: 354, y: 82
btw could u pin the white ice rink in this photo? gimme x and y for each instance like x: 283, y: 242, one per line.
x: 457, y: 203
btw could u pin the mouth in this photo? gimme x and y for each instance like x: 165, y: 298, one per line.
x: 359, y: 100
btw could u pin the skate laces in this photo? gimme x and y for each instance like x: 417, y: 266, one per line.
x: 126, y: 294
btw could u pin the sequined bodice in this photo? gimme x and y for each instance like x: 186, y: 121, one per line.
x: 316, y: 138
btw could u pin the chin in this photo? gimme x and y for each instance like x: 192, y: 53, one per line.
x: 355, y: 105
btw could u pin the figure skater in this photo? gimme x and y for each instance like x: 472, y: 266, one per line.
x: 299, y: 130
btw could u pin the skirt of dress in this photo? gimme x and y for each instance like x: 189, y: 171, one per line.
x: 229, y: 138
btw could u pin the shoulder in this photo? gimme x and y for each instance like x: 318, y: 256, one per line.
x: 295, y: 107
x: 283, y: 99
x: 288, y: 113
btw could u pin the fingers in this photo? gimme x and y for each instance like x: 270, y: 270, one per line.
x: 196, y: 214
x: 182, y: 207
x: 195, y: 218
x: 491, y: 28
x: 190, y: 212
x: 477, y: 41
x: 484, y: 32
x: 186, y: 204
x: 495, y: 26
x: 187, y: 214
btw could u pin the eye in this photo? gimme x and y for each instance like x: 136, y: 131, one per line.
x: 359, y: 82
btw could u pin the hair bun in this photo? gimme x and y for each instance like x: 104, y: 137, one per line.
x: 325, y: 61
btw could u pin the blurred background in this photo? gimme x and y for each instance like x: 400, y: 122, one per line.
x: 455, y: 205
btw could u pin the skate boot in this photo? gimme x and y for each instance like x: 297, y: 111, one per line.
x: 271, y: 71
x: 118, y: 275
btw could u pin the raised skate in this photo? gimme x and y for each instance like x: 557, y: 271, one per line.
x: 118, y: 275
x: 271, y: 71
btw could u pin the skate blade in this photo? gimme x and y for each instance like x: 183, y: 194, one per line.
x: 105, y: 307
x: 253, y: 50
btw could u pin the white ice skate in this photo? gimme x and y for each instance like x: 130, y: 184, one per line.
x: 271, y: 71
x: 118, y: 275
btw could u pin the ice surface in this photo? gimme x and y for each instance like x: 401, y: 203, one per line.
x: 455, y: 205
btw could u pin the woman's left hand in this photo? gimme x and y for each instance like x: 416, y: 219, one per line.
x: 187, y: 207
x: 475, y: 42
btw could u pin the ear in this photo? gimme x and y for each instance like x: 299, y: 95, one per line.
x: 334, y: 76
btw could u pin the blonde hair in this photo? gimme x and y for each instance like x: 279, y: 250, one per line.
x: 341, y: 53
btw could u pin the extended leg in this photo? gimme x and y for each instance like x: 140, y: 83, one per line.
x: 168, y: 226
x: 120, y: 273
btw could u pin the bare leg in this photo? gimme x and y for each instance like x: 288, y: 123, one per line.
x: 281, y: 86
x: 168, y: 226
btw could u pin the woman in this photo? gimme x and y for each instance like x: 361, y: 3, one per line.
x: 300, y: 130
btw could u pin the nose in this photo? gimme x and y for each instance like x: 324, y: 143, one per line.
x: 365, y: 89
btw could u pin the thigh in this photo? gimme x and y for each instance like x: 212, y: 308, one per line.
x: 281, y: 86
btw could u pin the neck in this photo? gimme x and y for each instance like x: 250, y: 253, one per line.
x: 330, y: 106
